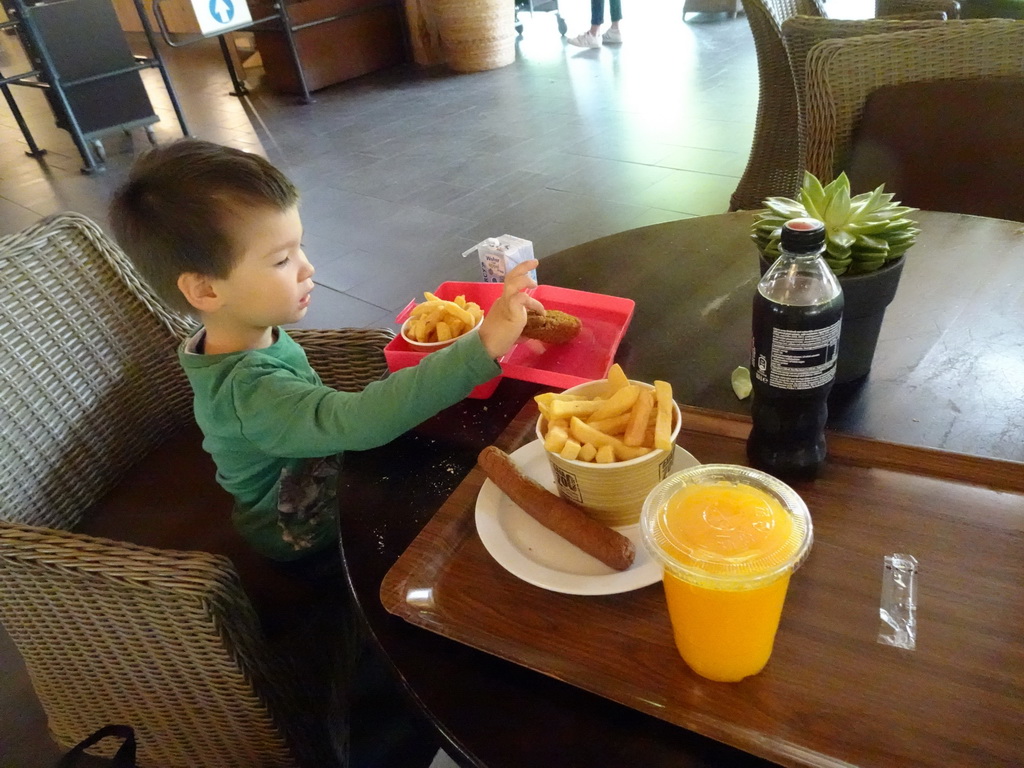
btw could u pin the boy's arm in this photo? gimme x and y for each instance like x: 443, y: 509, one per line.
x: 285, y: 416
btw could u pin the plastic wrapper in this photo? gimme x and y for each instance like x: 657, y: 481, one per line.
x: 899, y: 602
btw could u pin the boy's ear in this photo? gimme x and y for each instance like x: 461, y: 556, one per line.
x: 199, y: 291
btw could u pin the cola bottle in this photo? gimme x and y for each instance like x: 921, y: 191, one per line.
x: 798, y: 310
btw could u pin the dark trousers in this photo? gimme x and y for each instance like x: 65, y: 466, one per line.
x: 597, y: 11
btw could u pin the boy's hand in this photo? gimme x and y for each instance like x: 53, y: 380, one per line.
x: 505, y: 320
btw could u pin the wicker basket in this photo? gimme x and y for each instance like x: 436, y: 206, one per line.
x: 477, y: 34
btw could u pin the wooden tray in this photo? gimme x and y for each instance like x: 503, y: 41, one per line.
x: 831, y: 694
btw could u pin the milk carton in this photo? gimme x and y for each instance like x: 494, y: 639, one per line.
x: 498, y: 255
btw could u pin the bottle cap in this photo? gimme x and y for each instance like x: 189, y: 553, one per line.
x: 803, y: 236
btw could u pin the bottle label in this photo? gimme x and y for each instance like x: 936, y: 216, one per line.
x: 799, y: 359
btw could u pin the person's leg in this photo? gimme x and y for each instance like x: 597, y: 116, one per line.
x: 597, y: 15
x: 614, y: 34
x: 592, y: 37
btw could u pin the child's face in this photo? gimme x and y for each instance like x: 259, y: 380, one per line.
x: 271, y: 281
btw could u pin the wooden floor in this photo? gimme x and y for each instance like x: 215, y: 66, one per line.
x: 402, y: 171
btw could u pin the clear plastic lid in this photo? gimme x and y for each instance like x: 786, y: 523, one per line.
x: 726, y: 527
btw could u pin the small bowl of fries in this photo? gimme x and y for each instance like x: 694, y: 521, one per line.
x: 609, y: 442
x: 436, y: 323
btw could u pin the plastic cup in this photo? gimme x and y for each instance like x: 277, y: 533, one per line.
x: 613, y: 493
x: 728, y: 538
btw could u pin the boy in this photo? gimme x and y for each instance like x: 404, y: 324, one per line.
x: 217, y: 234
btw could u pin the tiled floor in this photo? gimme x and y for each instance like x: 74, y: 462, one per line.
x: 402, y: 171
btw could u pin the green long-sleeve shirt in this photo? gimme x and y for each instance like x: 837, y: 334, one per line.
x: 275, y: 431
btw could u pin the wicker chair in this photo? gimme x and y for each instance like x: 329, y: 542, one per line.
x: 111, y: 632
x: 903, y: 8
x: 776, y: 162
x: 841, y: 74
x: 801, y: 33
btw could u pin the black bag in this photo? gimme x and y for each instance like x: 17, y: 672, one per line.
x: 125, y: 757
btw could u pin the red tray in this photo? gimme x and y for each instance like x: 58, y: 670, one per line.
x: 587, y: 357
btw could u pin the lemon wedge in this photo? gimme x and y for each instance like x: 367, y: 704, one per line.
x: 741, y: 382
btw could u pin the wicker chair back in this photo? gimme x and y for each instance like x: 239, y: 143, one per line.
x: 783, y: 32
x: 841, y: 74
x: 91, y: 381
x: 163, y: 641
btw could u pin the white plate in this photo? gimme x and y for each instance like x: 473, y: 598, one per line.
x: 540, y: 556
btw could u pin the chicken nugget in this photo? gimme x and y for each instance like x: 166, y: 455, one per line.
x: 553, y: 327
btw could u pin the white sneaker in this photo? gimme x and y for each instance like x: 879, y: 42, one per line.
x: 585, y: 40
x: 612, y: 36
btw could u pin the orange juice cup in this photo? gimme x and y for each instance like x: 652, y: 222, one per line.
x: 728, y: 538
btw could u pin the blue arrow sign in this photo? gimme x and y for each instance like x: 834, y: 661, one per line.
x: 222, y: 10
x: 218, y: 16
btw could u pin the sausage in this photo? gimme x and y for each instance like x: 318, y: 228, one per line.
x: 555, y: 513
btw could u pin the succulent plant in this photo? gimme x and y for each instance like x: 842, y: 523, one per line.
x: 862, y: 232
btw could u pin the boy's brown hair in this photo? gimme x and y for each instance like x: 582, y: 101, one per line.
x: 173, y: 214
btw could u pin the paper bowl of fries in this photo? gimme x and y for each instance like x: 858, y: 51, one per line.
x: 609, y: 442
x: 436, y: 322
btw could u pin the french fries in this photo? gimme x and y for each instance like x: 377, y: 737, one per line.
x: 663, y: 419
x: 639, y: 418
x: 442, y: 320
x: 623, y: 422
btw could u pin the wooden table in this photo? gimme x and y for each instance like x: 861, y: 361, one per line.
x: 947, y: 375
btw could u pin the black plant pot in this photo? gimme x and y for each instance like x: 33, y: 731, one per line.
x: 865, y: 297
